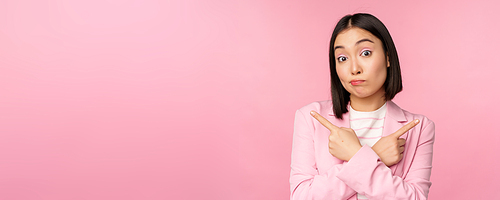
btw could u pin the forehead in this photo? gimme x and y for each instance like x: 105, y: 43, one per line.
x: 350, y: 36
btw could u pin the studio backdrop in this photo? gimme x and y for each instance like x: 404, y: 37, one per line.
x: 153, y: 99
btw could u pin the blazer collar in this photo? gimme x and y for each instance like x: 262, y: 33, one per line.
x: 394, y: 120
x: 394, y: 114
x: 344, y: 122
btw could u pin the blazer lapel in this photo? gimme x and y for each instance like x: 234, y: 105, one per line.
x: 394, y: 120
x: 324, y: 133
x: 344, y: 122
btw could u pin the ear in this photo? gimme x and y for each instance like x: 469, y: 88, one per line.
x: 388, y: 63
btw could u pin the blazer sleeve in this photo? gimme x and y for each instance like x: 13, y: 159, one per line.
x: 305, y: 181
x: 366, y: 174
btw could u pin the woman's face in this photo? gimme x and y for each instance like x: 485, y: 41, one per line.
x: 361, y: 63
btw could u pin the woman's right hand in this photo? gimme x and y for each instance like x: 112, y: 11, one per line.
x: 343, y: 142
x: 390, y: 148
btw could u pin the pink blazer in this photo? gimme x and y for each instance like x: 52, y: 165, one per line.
x: 316, y: 174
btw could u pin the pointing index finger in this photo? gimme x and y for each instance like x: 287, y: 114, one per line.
x: 323, y: 121
x: 405, y: 128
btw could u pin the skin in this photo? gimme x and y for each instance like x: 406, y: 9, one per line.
x: 362, y: 69
x: 361, y: 56
x: 344, y: 142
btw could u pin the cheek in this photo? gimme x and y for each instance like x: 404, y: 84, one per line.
x: 381, y: 74
x: 341, y: 72
x: 380, y: 68
x: 343, y: 76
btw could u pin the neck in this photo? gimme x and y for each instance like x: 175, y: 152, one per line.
x: 368, y: 104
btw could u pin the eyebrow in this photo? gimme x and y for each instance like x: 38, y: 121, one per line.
x: 360, y: 41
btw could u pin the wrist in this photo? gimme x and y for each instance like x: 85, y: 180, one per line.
x: 355, y: 151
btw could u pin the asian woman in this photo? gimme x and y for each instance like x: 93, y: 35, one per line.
x: 360, y: 144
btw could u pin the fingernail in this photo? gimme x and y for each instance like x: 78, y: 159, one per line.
x: 312, y: 112
x: 417, y: 121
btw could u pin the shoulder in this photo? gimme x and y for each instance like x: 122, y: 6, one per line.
x: 424, y: 121
x: 402, y: 115
x: 425, y: 128
x: 324, y: 108
x: 306, y: 125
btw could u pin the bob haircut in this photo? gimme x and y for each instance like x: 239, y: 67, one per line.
x: 393, y: 83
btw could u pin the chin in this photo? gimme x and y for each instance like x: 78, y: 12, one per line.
x: 362, y: 96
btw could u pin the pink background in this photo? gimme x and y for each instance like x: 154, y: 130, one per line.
x: 135, y: 99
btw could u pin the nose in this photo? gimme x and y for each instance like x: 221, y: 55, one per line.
x: 355, y: 67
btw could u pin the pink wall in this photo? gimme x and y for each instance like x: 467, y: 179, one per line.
x: 195, y: 99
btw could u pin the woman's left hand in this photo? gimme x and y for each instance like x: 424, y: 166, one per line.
x: 343, y: 142
x: 390, y: 148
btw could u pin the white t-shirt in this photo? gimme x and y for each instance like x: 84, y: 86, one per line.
x: 368, y: 127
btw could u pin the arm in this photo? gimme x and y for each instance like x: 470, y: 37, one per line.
x: 305, y: 181
x: 368, y: 175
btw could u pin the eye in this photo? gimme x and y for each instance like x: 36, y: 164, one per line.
x: 366, y: 53
x: 342, y: 58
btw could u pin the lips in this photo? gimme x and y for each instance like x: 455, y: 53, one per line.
x: 356, y: 82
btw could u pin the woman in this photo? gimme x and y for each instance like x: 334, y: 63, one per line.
x: 361, y: 145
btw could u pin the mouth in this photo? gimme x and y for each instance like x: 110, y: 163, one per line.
x: 357, y: 82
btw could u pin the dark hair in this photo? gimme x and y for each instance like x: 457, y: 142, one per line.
x: 393, y: 83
